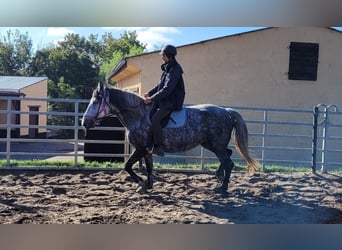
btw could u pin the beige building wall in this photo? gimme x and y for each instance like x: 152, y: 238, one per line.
x: 251, y: 69
x: 3, y: 116
x: 132, y: 84
x: 38, y: 90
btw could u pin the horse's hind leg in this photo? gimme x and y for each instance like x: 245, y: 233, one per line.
x: 227, y: 166
x: 225, y: 169
x: 220, y: 171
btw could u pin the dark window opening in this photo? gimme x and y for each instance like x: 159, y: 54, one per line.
x: 303, y: 61
x: 33, y: 120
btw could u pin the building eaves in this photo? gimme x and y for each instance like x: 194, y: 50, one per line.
x: 120, y: 66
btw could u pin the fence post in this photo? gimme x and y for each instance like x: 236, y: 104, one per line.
x: 76, y: 134
x: 314, y: 138
x: 202, y: 158
x: 264, y: 132
x: 324, y: 141
x: 9, y: 130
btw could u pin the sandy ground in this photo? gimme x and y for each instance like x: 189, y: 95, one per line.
x: 81, y: 197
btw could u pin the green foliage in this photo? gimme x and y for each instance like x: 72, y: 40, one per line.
x: 75, y: 60
x: 116, y: 49
x: 82, y: 62
x: 15, y: 53
x: 61, y: 90
x: 73, y: 67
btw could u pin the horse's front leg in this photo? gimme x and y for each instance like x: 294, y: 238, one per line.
x: 136, y: 156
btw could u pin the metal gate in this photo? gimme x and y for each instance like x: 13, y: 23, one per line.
x: 327, y: 139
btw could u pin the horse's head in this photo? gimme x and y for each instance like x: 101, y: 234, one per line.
x: 98, y: 107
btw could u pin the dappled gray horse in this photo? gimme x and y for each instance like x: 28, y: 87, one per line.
x: 208, y: 125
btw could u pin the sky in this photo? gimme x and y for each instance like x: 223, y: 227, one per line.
x: 153, y: 37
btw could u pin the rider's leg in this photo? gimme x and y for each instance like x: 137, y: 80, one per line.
x: 157, y: 129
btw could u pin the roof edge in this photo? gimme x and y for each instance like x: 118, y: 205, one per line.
x: 208, y: 40
x: 120, y: 66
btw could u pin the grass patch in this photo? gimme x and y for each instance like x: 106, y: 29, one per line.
x: 59, y: 163
x: 286, y: 169
x: 94, y: 164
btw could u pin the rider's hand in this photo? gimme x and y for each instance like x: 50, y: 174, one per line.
x: 147, y: 100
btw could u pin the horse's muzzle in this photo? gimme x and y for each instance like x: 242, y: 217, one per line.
x: 88, y: 123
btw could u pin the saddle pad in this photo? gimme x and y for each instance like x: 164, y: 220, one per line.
x: 177, y: 119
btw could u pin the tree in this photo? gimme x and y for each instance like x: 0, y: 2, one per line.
x: 62, y: 90
x: 75, y: 59
x: 45, y: 63
x: 82, y: 62
x: 73, y: 67
x: 15, y: 53
x: 116, y: 49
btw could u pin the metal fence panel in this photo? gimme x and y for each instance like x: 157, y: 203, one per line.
x: 282, y: 137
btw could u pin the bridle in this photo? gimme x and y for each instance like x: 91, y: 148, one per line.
x: 103, y: 107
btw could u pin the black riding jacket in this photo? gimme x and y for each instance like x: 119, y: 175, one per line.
x: 169, y: 93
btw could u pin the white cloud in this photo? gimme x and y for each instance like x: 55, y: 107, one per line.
x: 59, y: 31
x: 156, y: 37
x: 58, y: 34
x: 153, y: 37
x: 152, y: 40
x: 123, y: 28
x: 164, y: 30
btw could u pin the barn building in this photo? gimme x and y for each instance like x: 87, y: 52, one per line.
x: 295, y: 67
x: 279, y: 67
x: 25, y: 87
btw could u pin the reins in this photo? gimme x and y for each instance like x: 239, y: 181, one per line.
x: 113, y: 112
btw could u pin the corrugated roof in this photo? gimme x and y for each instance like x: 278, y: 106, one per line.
x: 15, y: 83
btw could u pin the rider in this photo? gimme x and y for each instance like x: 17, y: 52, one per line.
x: 167, y: 96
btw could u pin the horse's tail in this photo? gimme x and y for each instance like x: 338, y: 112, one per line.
x: 241, y: 141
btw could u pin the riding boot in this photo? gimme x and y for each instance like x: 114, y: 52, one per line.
x: 157, y: 131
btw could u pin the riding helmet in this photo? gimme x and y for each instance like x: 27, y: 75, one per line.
x: 169, y: 50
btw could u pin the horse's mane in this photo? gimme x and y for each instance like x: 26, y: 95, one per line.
x: 123, y: 99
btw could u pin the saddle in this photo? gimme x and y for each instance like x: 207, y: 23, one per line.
x: 175, y: 119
